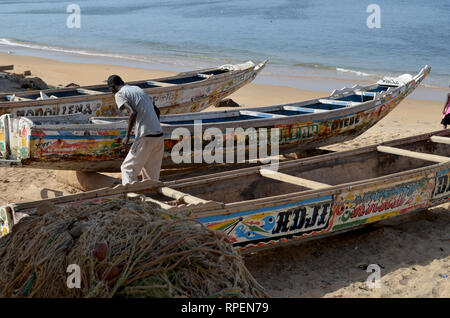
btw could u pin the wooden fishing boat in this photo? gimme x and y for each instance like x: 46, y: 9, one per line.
x: 183, y: 93
x: 78, y: 143
x: 304, y: 199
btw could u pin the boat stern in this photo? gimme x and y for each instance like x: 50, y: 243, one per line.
x: 3, y: 136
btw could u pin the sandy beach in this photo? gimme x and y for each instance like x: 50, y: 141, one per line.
x: 413, y: 251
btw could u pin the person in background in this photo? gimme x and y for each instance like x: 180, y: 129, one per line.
x: 146, y: 153
x: 446, y: 118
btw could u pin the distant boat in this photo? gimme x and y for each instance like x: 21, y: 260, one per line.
x: 183, y: 93
x: 304, y: 199
x: 78, y: 143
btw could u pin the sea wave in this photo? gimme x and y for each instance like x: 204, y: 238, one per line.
x: 35, y: 46
x: 344, y: 70
x: 174, y: 61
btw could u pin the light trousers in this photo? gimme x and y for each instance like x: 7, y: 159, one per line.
x: 145, y: 156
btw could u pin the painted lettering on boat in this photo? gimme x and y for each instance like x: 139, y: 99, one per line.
x: 297, y: 132
x: 304, y: 219
x: 87, y: 108
x: 345, y: 122
x: 354, y: 207
x: 277, y: 223
x: 441, y: 190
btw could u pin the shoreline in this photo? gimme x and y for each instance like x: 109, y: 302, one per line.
x: 307, y: 79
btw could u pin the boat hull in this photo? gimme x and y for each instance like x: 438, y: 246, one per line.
x: 91, y: 148
x: 176, y: 99
x: 287, y: 218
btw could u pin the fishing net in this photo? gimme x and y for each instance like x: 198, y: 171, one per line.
x: 123, y: 248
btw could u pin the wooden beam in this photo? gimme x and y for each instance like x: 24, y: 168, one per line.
x: 148, y: 199
x: 174, y: 194
x: 147, y: 185
x: 260, y: 114
x: 304, y: 109
x: 337, y: 102
x: 413, y: 154
x: 439, y: 139
x: 161, y: 204
x: 205, y: 76
x: 364, y: 93
x: 6, y: 68
x: 293, y: 180
x: 160, y: 84
x: 88, y: 91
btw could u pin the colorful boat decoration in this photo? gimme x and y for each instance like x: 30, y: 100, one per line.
x: 80, y: 143
x: 186, y: 92
x: 309, y: 198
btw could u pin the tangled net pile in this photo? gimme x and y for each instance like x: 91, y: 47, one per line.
x: 124, y: 249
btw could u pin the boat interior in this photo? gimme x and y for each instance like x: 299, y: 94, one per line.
x: 278, y: 111
x: 102, y: 89
x: 320, y: 172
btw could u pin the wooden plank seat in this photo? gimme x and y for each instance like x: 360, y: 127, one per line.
x: 178, y: 195
x: 88, y: 91
x: 338, y: 102
x: 413, y: 154
x: 275, y: 175
x: 364, y: 93
x: 204, y: 75
x: 439, y: 139
x: 160, y: 84
x: 260, y: 114
x: 304, y: 109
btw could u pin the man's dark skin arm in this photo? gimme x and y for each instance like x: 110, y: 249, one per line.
x: 158, y: 112
x: 131, y: 122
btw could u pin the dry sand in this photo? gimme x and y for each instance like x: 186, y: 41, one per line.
x: 413, y: 250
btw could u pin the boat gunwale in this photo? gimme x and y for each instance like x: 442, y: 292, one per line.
x: 210, y: 81
x: 250, y: 123
x: 234, y: 207
x: 308, y: 194
x: 261, y: 122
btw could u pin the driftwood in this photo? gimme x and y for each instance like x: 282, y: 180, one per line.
x: 228, y: 102
x: 6, y: 68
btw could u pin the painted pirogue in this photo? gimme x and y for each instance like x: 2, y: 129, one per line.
x: 80, y: 143
x: 260, y: 207
x: 183, y: 93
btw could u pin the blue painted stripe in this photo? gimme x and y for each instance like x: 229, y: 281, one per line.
x: 260, y: 115
x: 209, y: 219
x: 74, y: 137
x: 65, y: 133
x: 335, y: 102
x: 439, y: 173
x: 300, y: 109
x: 166, y: 136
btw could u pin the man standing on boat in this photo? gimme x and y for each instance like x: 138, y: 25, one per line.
x: 146, y: 153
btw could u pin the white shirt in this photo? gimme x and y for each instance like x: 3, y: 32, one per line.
x: 147, y: 122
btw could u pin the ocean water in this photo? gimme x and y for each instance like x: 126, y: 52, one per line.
x: 309, y: 38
